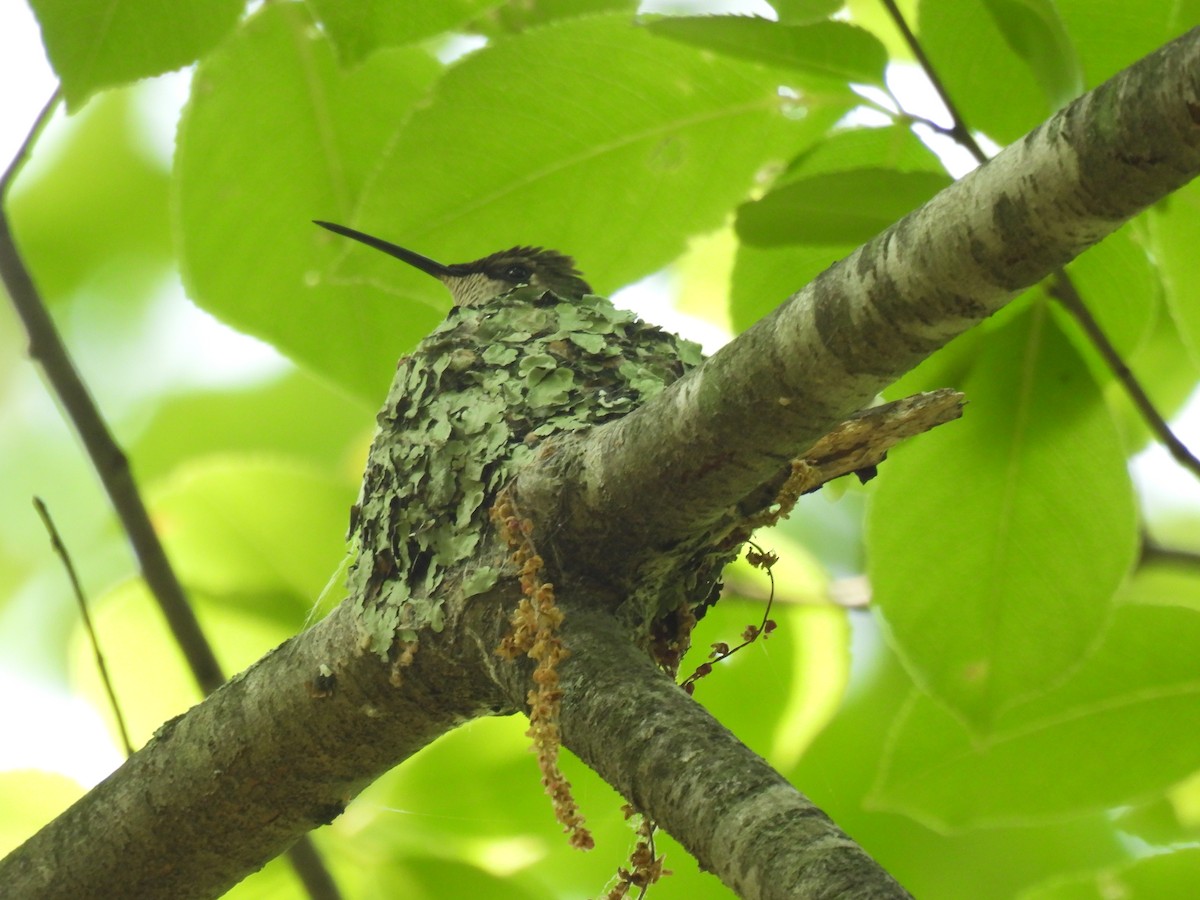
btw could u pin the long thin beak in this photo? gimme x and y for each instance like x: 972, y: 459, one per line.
x: 416, y: 260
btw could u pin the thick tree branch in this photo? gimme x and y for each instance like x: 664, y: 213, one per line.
x: 669, y: 757
x: 273, y: 753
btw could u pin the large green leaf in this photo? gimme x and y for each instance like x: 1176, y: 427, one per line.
x: 764, y: 277
x: 977, y: 64
x: 513, y: 17
x: 237, y: 525
x: 1120, y: 288
x: 95, y: 44
x: 849, y: 207
x: 361, y: 27
x: 619, y: 172
x: 297, y: 416
x: 796, y: 12
x: 835, y: 50
x: 538, y: 139
x: 274, y: 135
x: 996, y: 544
x: 1034, y: 30
x: 1112, y: 34
x: 96, y: 208
x: 1123, y: 726
x: 987, y: 864
x: 1175, y: 225
x: 1163, y: 876
x: 31, y: 798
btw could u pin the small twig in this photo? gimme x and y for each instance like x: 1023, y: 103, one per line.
x: 22, y: 154
x: 947, y: 131
x: 1062, y: 288
x: 47, y: 348
x: 645, y: 865
x: 721, y: 650
x: 1155, y: 553
x: 958, y: 130
x: 61, y: 549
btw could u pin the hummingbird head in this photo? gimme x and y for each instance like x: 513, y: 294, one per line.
x: 475, y: 283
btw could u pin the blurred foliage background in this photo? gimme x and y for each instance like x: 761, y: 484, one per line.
x: 1017, y: 712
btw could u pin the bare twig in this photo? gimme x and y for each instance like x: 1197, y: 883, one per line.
x: 958, y: 130
x: 1062, y: 288
x: 760, y: 559
x: 1155, y: 553
x: 61, y: 549
x: 47, y: 348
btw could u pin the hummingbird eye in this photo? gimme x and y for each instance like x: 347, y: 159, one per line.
x: 518, y: 272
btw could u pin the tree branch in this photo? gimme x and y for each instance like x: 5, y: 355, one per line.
x: 1062, y: 288
x: 669, y: 757
x: 275, y: 752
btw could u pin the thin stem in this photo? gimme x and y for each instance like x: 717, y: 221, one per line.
x: 61, y: 549
x: 1062, y: 288
x: 958, y: 130
x: 1155, y: 553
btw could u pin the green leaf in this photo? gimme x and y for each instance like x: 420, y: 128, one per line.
x: 514, y: 17
x: 146, y: 666
x: 1109, y: 35
x: 836, y: 207
x: 890, y: 147
x: 799, y: 12
x: 361, y: 27
x: 298, y: 416
x: 1035, y: 31
x: 1122, y: 727
x: 272, y: 137
x: 1175, y: 230
x: 763, y: 277
x: 996, y: 543
x: 974, y: 61
x: 94, y: 44
x: 1172, y: 875
x: 1120, y: 288
x: 828, y: 49
x: 993, y: 864
x: 96, y: 207
x: 31, y: 799
x: 617, y: 172
x: 238, y: 525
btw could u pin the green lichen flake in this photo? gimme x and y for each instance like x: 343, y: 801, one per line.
x: 463, y: 414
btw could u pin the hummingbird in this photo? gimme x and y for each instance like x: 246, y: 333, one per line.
x: 475, y: 283
x: 528, y: 353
